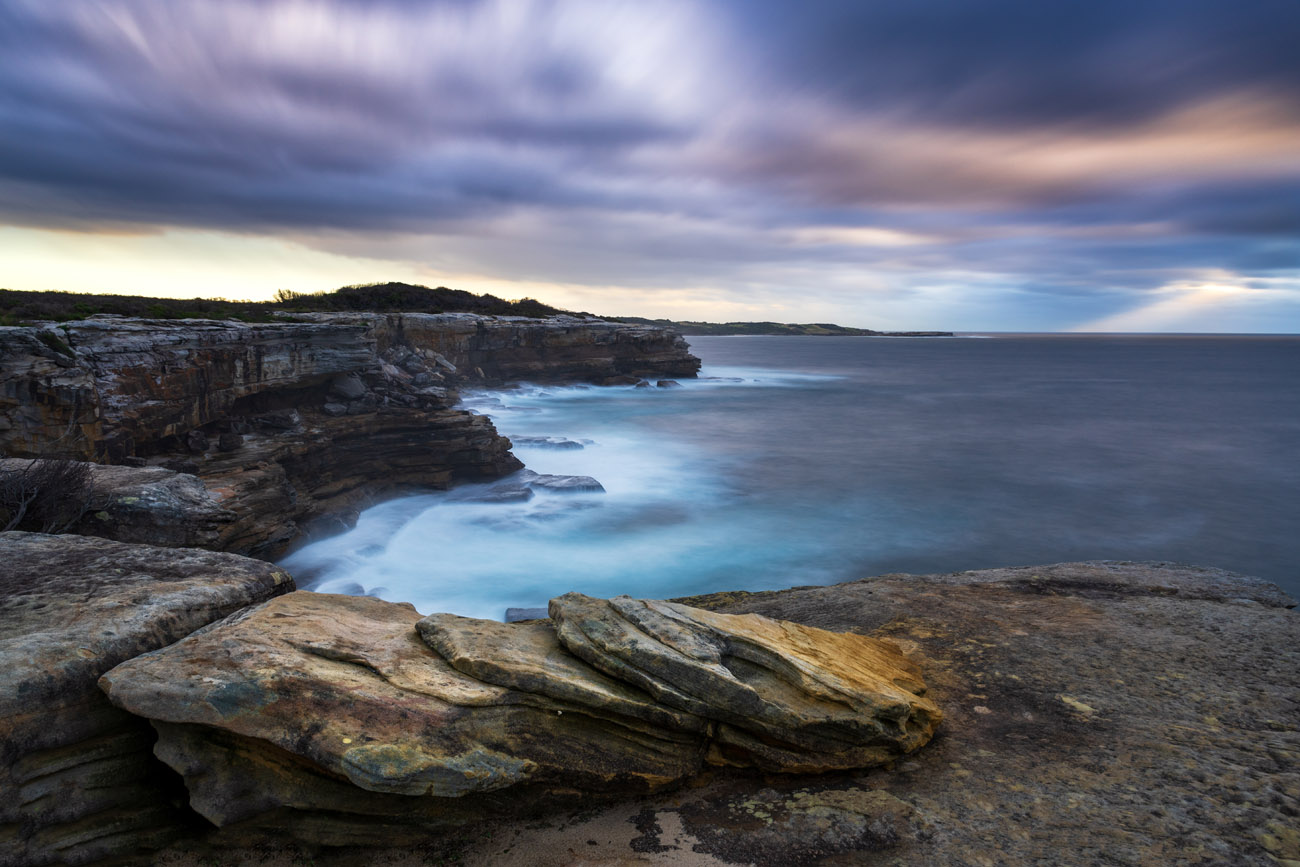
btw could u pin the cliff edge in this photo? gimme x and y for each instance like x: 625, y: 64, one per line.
x: 289, y: 425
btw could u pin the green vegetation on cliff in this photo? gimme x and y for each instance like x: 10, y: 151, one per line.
x: 16, y: 306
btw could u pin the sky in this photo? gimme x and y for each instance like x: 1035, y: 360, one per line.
x: 1006, y: 165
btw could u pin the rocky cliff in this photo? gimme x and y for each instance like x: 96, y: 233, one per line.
x: 288, y: 424
x: 109, y: 388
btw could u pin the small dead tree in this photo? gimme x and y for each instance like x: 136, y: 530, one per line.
x: 45, y: 495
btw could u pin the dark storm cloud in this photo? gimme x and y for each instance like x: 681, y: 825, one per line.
x: 95, y: 129
x: 1046, y: 145
x: 1028, y: 62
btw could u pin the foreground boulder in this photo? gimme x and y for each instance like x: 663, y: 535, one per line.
x: 351, y: 721
x: 786, y: 697
x: 78, y: 778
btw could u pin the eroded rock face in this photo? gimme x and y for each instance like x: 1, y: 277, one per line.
x: 786, y: 697
x: 78, y: 778
x: 114, y: 388
x: 286, y: 484
x: 359, y: 710
x: 514, y: 348
x: 158, y: 379
x: 47, y: 395
x: 281, y: 484
x: 292, y: 426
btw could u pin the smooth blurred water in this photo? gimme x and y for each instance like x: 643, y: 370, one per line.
x: 816, y: 460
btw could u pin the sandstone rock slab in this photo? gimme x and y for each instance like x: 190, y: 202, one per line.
x: 317, y: 705
x: 79, y: 780
x: 528, y: 657
x: 787, y: 697
x: 358, y: 719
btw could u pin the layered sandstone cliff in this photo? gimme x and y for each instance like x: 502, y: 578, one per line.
x: 288, y: 424
x: 111, y: 388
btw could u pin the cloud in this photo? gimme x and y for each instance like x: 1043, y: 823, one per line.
x: 1221, y: 303
x: 840, y: 151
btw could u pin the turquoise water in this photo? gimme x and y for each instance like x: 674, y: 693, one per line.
x: 814, y: 460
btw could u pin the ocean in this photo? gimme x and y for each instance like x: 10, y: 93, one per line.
x: 814, y: 460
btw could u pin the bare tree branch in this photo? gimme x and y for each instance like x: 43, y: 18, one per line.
x: 45, y: 495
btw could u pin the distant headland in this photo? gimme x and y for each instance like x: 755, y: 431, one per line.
x: 815, y: 329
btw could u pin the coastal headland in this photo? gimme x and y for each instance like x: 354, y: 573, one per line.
x: 785, y: 329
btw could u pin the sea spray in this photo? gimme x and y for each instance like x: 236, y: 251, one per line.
x: 669, y: 521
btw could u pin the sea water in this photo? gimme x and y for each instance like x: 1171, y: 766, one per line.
x: 813, y: 460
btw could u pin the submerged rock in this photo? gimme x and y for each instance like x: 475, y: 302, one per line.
x: 546, y: 442
x: 560, y: 484
x: 502, y: 493
x: 79, y: 780
x: 519, y: 488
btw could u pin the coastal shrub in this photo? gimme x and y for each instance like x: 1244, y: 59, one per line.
x: 45, y: 495
x: 50, y: 339
x: 17, y: 307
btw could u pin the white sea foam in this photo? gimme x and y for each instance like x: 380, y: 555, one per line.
x: 660, y: 528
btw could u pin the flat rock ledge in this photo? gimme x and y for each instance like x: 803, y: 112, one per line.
x: 349, y: 721
x: 78, y: 782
